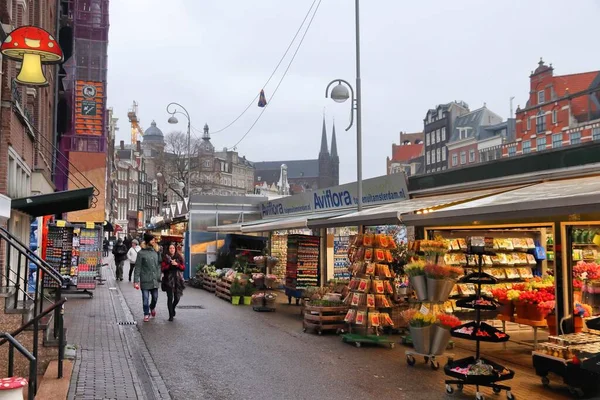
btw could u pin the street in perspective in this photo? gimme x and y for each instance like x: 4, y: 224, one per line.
x: 299, y: 200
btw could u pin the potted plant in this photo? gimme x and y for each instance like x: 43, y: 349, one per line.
x: 236, y: 291
x: 507, y: 307
x: 441, y: 332
x: 416, y: 276
x: 248, y: 292
x: 420, y: 329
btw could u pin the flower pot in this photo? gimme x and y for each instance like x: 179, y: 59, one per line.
x: 402, y: 291
x: 449, y: 285
x: 551, y: 321
x: 578, y: 321
x: 577, y: 296
x: 421, y: 338
x: 507, y: 308
x: 436, y: 289
x: 522, y: 310
x: 247, y: 300
x: 534, y: 313
x: 235, y: 300
x: 419, y: 285
x: 439, y: 340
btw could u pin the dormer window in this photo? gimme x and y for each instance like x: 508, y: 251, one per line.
x: 541, y: 97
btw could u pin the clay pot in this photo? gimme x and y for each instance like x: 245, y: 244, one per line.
x: 507, y: 308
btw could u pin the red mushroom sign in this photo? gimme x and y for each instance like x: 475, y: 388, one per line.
x: 32, y: 46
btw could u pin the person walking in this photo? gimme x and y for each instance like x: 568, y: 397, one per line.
x: 120, y: 253
x: 147, y: 275
x: 172, y: 281
x: 105, y: 247
x: 132, y: 256
x: 127, y: 242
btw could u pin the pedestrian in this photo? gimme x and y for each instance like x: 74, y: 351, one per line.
x: 132, y: 256
x: 147, y: 275
x: 120, y: 253
x: 172, y: 281
x: 105, y: 247
x: 127, y: 242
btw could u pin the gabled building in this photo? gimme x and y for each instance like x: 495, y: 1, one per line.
x: 561, y: 110
x: 437, y: 127
x: 406, y: 157
x: 469, y: 129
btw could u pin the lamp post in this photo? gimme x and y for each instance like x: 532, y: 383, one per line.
x: 340, y: 94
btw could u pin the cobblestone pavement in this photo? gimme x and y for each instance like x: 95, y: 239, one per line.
x: 111, y: 362
x: 222, y: 351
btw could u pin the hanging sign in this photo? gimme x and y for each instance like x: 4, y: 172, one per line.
x: 89, y: 225
x: 61, y: 223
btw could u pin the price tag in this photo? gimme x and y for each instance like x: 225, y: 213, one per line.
x: 60, y: 223
x: 424, y: 310
x: 89, y: 225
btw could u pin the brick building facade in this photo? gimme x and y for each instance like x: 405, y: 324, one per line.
x: 561, y: 110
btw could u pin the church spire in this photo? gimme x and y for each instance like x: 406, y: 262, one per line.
x: 324, y: 149
x: 334, y: 153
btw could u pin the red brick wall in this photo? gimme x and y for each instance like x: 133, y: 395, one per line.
x: 466, y: 148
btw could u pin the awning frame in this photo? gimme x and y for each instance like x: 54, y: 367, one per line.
x: 55, y: 203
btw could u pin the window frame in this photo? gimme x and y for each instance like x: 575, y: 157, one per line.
x: 463, y: 157
x: 577, y: 139
x: 454, y: 159
x: 540, y: 122
x: 559, y: 142
x: 472, y: 156
x: 541, y: 96
x: 528, y: 148
x: 538, y: 143
x: 596, y: 133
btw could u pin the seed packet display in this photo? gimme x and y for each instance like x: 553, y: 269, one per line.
x: 353, y: 284
x: 358, y: 241
x: 371, y: 300
x: 350, y: 316
x: 374, y: 319
x: 389, y: 257
x: 388, y: 287
x: 368, y: 254
x: 385, y: 319
x: 382, y: 241
x: 355, y: 299
x: 363, y: 285
x: 379, y: 286
x: 382, y: 301
x: 380, y: 255
x: 370, y: 269
x: 368, y: 240
x: 360, y: 317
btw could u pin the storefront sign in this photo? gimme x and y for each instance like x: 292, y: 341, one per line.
x: 376, y: 191
x: 89, y: 99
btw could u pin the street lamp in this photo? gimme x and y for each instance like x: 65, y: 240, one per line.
x: 173, y: 120
x: 340, y: 94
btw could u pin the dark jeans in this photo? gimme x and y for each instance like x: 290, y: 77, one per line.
x: 149, y: 305
x: 131, y: 268
x: 172, y: 301
x: 119, y: 272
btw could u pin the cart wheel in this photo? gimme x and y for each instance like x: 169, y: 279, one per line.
x: 410, y: 360
x: 545, y: 381
x: 449, y: 389
x: 357, y: 344
x: 509, y: 395
x: 392, y: 345
x: 459, y: 386
x: 319, y: 333
x: 479, y: 396
x: 497, y: 390
x: 576, y: 391
x: 304, y: 330
x: 435, y: 365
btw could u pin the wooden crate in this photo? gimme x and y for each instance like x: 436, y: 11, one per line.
x: 322, y: 319
x: 209, y: 283
x: 223, y: 290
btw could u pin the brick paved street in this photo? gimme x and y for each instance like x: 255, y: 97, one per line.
x: 106, y: 366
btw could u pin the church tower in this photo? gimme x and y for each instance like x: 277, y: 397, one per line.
x: 325, y: 178
x: 335, y: 160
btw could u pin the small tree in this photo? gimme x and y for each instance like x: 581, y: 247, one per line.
x: 172, y: 162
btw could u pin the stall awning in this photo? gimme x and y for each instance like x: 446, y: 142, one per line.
x: 391, y: 214
x: 300, y: 222
x: 543, y: 200
x: 230, y: 228
x: 55, y: 203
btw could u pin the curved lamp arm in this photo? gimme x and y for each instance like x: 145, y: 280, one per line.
x: 352, y: 104
x: 173, y: 104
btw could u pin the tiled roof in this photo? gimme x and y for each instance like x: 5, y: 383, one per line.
x: 406, y: 152
x: 575, y: 83
x: 474, y: 120
x: 269, y: 171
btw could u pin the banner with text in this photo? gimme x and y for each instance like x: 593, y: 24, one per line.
x: 376, y: 191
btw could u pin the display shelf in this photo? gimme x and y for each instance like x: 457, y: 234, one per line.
x: 59, y: 250
x: 279, y: 250
x: 340, y: 257
x: 302, y: 267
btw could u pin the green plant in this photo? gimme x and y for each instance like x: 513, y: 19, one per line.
x: 237, y: 289
x: 249, y: 290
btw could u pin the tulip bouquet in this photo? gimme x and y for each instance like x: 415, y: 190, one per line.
x: 447, y: 321
x: 500, y: 294
x: 535, y: 296
x: 547, y: 307
x: 435, y: 271
x: 420, y: 320
x: 415, y: 268
x: 513, y: 294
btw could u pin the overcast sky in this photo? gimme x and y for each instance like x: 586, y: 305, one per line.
x: 213, y: 56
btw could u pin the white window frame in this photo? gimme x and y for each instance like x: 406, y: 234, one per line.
x: 444, y: 151
x: 554, y: 117
x: 427, y: 139
x: 443, y: 133
x: 576, y: 135
x: 438, y: 135
x: 454, y: 159
x: 463, y: 157
x: 557, y: 143
x: 539, y: 142
x: 439, y: 154
x: 428, y: 158
x: 526, y: 149
x: 471, y: 156
x: 433, y: 158
x: 512, y: 150
x: 596, y: 133
x: 541, y: 96
x: 528, y: 123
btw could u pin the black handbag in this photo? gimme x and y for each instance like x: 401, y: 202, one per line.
x: 163, y: 283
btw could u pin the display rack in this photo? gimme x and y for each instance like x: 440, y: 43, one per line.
x: 279, y: 250
x: 340, y: 257
x: 87, y: 256
x: 59, y: 250
x: 302, y: 267
x: 464, y: 371
x: 370, y: 287
x: 264, y: 298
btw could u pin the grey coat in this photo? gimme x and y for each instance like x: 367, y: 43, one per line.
x: 147, y: 269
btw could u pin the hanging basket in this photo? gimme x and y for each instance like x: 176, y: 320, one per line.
x: 440, y: 337
x: 421, y: 338
x: 419, y: 284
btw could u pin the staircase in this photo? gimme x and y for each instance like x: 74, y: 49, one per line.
x: 31, y: 317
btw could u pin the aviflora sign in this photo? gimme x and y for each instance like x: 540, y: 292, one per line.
x: 376, y: 191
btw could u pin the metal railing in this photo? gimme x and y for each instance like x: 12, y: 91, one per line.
x: 18, y: 257
x: 12, y: 345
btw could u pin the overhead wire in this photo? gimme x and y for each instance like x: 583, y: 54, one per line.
x: 282, y: 77
x: 274, y: 70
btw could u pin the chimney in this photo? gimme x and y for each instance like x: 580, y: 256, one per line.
x: 139, y: 147
x: 122, y: 145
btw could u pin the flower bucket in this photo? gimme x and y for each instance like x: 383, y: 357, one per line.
x: 421, y: 338
x: 247, y: 300
x: 448, y: 286
x: 534, y: 313
x: 235, y: 300
x: 436, y: 289
x: 402, y: 291
x: 419, y: 285
x: 507, y: 308
x: 577, y: 296
x: 551, y: 321
x: 578, y: 321
x: 522, y: 310
x: 440, y: 337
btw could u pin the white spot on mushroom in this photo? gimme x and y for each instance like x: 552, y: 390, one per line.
x: 8, y: 39
x: 50, y: 37
x: 15, y: 44
x: 50, y: 44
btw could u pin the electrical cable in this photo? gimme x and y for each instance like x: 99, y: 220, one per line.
x: 281, y: 80
x: 274, y: 71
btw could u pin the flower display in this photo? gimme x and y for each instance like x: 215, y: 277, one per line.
x: 447, y: 321
x: 435, y: 271
x: 500, y: 294
x: 433, y: 247
x: 586, y: 270
x: 577, y: 284
x: 407, y: 315
x: 547, y: 307
x: 513, y: 294
x: 415, y: 268
x: 582, y: 310
x: 535, y: 296
x: 420, y: 320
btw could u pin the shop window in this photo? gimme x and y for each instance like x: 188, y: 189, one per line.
x: 575, y: 137
x: 541, y: 143
x: 454, y: 160
x: 541, y: 122
x: 472, y: 156
x: 585, y: 249
x: 556, y: 140
x: 526, y: 146
x: 463, y: 157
